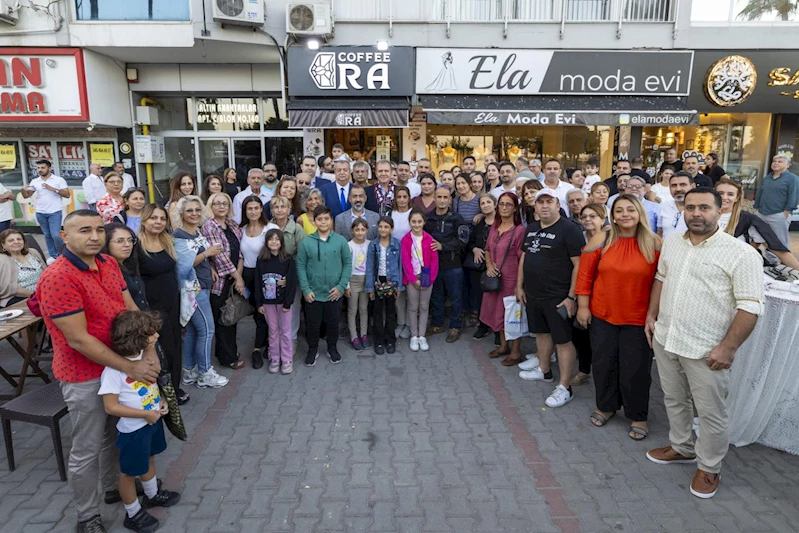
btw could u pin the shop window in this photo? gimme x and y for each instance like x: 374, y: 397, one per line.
x: 72, y: 163
x: 447, y: 145
x: 286, y: 152
x: 132, y: 10
x: 180, y: 156
x: 373, y: 144
x: 227, y: 114
x: 174, y: 114
x: 10, y: 165
x: 274, y: 114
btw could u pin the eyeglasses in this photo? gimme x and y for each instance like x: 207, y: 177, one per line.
x: 129, y: 240
x: 191, y: 211
x: 220, y: 204
x: 634, y: 186
x: 506, y: 204
x: 676, y: 220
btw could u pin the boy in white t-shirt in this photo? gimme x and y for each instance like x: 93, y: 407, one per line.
x: 139, y: 408
x: 591, y: 172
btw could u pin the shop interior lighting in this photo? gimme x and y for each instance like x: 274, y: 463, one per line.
x: 313, y: 44
x: 382, y: 45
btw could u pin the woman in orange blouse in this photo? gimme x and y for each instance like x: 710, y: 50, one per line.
x: 613, y: 283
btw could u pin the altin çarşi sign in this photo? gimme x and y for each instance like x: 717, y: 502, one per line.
x: 530, y: 72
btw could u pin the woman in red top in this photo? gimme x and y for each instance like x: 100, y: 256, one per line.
x: 613, y: 285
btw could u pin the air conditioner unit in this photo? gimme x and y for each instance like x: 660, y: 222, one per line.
x: 309, y: 19
x: 9, y: 11
x: 241, y: 12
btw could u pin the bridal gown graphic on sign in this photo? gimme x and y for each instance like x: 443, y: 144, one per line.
x: 445, y: 81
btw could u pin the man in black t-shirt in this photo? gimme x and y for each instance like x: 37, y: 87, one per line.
x: 672, y: 160
x: 546, y: 280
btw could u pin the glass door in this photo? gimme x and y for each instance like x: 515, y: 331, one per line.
x: 246, y: 155
x: 214, y: 157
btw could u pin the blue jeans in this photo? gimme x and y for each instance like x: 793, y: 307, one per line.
x: 199, y: 335
x: 451, y: 282
x: 51, y: 225
x: 4, y: 225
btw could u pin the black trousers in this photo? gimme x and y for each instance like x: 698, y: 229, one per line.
x: 582, y: 343
x: 261, y: 329
x: 226, y: 351
x: 384, y: 313
x: 315, y: 313
x: 622, y: 369
x: 171, y: 336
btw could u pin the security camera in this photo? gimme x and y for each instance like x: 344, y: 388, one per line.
x: 90, y: 127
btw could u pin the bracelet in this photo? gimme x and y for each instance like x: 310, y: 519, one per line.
x: 572, y: 298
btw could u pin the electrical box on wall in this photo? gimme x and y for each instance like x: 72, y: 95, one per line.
x: 150, y: 149
x: 147, y: 115
x: 9, y: 11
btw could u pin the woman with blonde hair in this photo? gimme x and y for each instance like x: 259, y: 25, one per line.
x: 744, y: 225
x: 614, y: 280
x: 311, y: 199
x: 157, y: 268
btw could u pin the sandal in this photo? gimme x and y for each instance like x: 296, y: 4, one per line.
x: 183, y: 397
x: 638, y: 433
x: 599, y: 420
x: 580, y: 378
x: 235, y: 365
x: 498, y: 352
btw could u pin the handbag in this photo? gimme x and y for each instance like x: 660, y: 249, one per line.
x: 383, y: 289
x: 235, y: 308
x: 33, y: 304
x: 173, y: 419
x: 494, y: 283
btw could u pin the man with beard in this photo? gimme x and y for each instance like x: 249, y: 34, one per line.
x: 404, y: 175
x: 691, y: 165
x: 345, y: 219
x: 270, y: 178
x: 507, y: 180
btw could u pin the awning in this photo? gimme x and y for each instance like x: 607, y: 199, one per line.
x: 348, y: 113
x: 558, y: 110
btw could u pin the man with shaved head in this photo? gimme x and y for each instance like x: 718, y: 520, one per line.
x: 85, y: 289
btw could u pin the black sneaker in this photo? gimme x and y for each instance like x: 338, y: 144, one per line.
x: 334, y: 356
x: 391, y: 347
x: 142, y: 522
x: 379, y: 349
x: 481, y: 331
x: 257, y: 359
x: 112, y: 496
x: 162, y: 498
x: 92, y: 525
x: 310, y: 359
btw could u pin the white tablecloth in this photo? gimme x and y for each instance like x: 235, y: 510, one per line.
x: 764, y: 382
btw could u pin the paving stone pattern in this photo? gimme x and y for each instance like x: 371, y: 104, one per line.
x: 444, y: 441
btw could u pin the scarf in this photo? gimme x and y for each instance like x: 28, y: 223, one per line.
x: 385, y: 200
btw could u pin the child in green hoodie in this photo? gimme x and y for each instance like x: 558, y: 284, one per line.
x: 324, y: 266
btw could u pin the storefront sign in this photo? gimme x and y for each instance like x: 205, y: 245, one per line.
x: 72, y: 160
x: 362, y: 118
x: 526, y: 72
x: 746, y: 81
x: 42, y: 85
x: 313, y: 141
x: 102, y: 154
x: 350, y: 71
x: 8, y: 156
x: 565, y: 118
x: 414, y: 139
x: 243, y: 113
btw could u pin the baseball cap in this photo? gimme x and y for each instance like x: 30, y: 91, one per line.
x: 545, y: 192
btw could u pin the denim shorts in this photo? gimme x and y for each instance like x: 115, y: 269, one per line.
x: 135, y: 449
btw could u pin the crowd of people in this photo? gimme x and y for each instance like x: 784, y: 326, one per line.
x: 610, y: 273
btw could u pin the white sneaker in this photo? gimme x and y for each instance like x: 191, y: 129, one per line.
x: 423, y: 344
x: 414, y: 344
x: 535, y: 374
x: 211, y: 379
x: 190, y: 376
x: 406, y: 332
x: 559, y: 397
x: 553, y: 358
x: 530, y: 355
x: 398, y: 331
x: 50, y: 260
x: 530, y: 364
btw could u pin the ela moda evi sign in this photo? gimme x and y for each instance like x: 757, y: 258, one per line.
x: 530, y: 72
x: 42, y: 85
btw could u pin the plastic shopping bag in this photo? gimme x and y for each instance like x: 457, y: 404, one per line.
x: 515, y: 319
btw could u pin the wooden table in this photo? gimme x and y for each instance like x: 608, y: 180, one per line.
x: 27, y: 324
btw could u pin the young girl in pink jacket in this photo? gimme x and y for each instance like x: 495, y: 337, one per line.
x: 419, y: 271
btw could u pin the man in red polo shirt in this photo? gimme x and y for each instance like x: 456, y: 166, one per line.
x: 80, y: 295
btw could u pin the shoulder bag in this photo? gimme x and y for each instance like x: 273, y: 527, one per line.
x: 494, y: 284
x: 235, y: 308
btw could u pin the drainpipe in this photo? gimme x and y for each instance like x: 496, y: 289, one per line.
x: 145, y: 130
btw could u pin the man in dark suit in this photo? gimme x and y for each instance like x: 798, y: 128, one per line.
x: 383, y: 204
x: 337, y: 193
x: 344, y: 220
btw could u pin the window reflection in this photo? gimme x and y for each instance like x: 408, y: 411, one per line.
x: 132, y: 10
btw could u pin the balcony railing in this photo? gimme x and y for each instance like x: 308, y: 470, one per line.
x: 504, y: 10
x: 729, y: 12
x: 146, y: 10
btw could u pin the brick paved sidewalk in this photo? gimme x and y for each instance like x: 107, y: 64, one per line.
x: 445, y: 441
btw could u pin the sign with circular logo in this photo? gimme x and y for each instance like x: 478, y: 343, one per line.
x: 730, y: 81
x: 125, y: 148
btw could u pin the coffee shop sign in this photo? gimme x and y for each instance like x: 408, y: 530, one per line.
x: 342, y: 70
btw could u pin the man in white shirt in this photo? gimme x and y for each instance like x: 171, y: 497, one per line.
x: 255, y: 179
x: 127, y: 179
x: 50, y: 193
x: 671, y: 219
x: 507, y: 180
x: 552, y: 172
x: 6, y: 208
x: 404, y: 177
x: 707, y: 295
x: 94, y: 186
x: 423, y: 166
